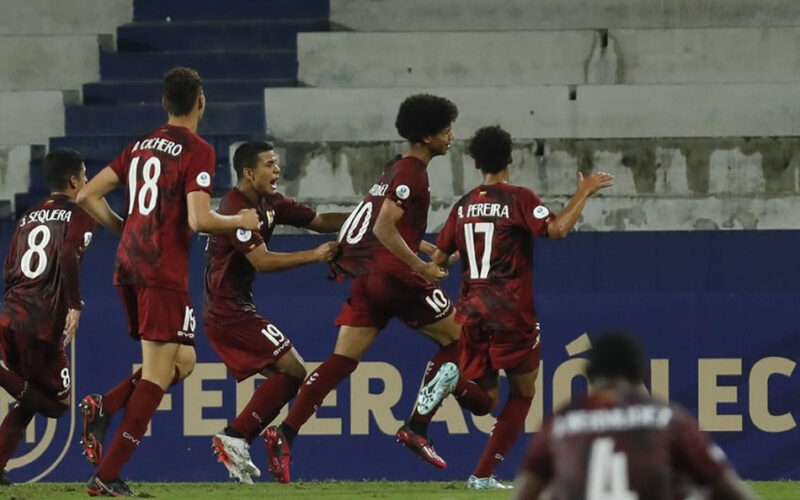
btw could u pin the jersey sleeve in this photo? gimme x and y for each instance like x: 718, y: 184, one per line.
x: 539, y: 457
x: 242, y: 240
x: 535, y: 215
x: 292, y: 213
x: 120, y: 165
x: 79, y: 235
x: 446, y: 241
x: 200, y: 171
x: 407, y: 185
x: 692, y: 450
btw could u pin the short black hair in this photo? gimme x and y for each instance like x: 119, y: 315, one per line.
x: 61, y: 164
x: 180, y: 88
x: 491, y: 149
x: 423, y: 115
x: 246, y: 155
x: 616, y: 355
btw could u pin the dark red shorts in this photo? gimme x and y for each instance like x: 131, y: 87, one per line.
x: 482, y: 352
x: 158, y: 314
x: 43, y: 364
x: 378, y: 297
x: 248, y: 346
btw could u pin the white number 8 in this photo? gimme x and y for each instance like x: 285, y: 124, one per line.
x: 35, y: 248
x: 65, y: 377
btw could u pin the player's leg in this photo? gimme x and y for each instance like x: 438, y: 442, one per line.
x: 507, y: 429
x: 351, y: 344
x: 11, y: 432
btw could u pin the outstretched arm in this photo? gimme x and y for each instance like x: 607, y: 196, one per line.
x: 265, y: 261
x: 92, y: 199
x: 329, y: 222
x: 203, y: 219
x: 563, y: 223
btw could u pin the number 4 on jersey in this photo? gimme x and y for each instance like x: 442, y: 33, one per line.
x: 608, y: 473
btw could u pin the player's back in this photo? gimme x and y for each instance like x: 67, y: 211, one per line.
x: 159, y: 170
x: 492, y: 227
x: 627, y: 448
x: 404, y: 182
x: 41, y: 269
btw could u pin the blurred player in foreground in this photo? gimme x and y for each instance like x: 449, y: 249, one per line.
x: 247, y: 342
x: 493, y: 229
x: 619, y: 443
x: 42, y: 305
x: 169, y: 177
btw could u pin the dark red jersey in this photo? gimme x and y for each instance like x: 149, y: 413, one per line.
x: 229, y: 275
x: 158, y: 171
x: 620, y: 448
x: 42, y: 267
x: 404, y: 182
x: 493, y: 227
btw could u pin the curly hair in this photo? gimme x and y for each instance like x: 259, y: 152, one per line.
x: 423, y: 115
x: 490, y: 147
x: 181, y: 87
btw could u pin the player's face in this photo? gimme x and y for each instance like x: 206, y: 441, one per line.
x: 81, y: 179
x: 266, y: 173
x: 439, y: 143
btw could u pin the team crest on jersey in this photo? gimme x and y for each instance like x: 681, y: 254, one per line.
x: 243, y: 235
x: 403, y: 191
x: 541, y: 212
x: 46, y: 441
x: 203, y: 179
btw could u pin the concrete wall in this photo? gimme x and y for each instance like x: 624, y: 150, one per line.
x: 33, y: 117
x: 63, y: 17
x: 734, y: 55
x: 50, y: 62
x: 660, y: 184
x: 457, y: 15
x: 15, y: 171
x: 598, y: 111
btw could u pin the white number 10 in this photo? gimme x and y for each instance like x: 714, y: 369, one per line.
x: 470, y: 229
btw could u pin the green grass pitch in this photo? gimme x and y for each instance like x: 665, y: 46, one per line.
x: 328, y: 490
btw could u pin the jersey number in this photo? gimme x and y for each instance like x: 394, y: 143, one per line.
x: 273, y: 335
x: 355, y: 227
x: 37, y: 240
x: 148, y: 195
x: 470, y: 230
x: 608, y: 473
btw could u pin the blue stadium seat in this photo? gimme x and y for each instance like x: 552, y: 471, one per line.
x: 193, y: 10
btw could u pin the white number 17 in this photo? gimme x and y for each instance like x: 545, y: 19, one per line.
x: 470, y: 230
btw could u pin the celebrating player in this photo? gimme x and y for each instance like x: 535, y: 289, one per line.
x: 380, y: 241
x: 620, y: 443
x: 245, y: 341
x: 492, y: 227
x: 168, y: 174
x: 42, y: 305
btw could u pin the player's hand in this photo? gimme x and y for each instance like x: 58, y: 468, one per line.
x: 431, y: 272
x: 594, y: 183
x: 71, y: 325
x: 250, y: 219
x: 327, y: 251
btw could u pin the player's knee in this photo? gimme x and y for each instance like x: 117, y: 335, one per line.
x: 185, y: 362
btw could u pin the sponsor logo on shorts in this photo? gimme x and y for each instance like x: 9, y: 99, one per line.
x: 203, y: 179
x: 541, y: 212
x: 188, y: 335
x: 281, y: 347
x: 403, y: 192
x: 243, y: 235
x: 127, y: 436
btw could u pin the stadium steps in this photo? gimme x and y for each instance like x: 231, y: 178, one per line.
x: 239, y: 51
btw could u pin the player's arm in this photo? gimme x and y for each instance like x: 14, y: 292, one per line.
x: 385, y: 229
x: 329, y: 222
x: 203, y: 219
x: 527, y: 486
x: 92, y: 199
x: 268, y: 262
x: 69, y: 263
x: 563, y: 223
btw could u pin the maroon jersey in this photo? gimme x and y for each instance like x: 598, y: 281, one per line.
x: 405, y: 182
x: 229, y: 275
x: 492, y: 227
x: 42, y: 267
x: 159, y: 170
x: 634, y: 445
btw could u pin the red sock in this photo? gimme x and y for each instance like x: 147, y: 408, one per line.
x: 472, y: 397
x: 118, y: 397
x: 265, y: 404
x: 317, y: 385
x: 11, y: 432
x: 30, y: 398
x: 506, y: 430
x: 419, y: 423
x: 140, y: 409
